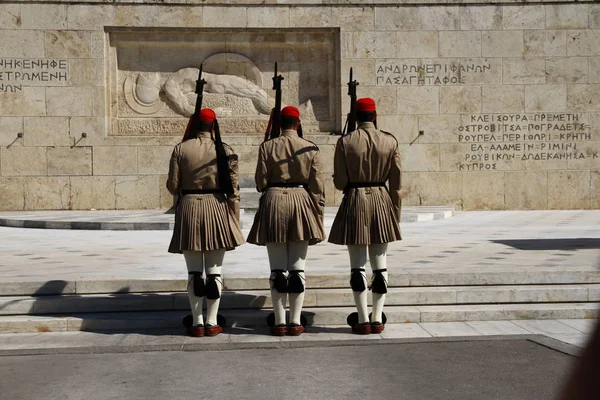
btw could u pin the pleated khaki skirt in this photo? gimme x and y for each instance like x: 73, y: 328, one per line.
x: 366, y: 216
x: 286, y: 215
x: 204, y: 222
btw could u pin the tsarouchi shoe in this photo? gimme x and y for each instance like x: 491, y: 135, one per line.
x: 196, y: 331
x: 295, y: 330
x: 212, y: 330
x: 278, y: 330
x: 377, y: 327
x: 362, y: 329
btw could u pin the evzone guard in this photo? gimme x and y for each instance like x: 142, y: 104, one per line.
x: 368, y: 218
x: 290, y: 214
x: 203, y: 172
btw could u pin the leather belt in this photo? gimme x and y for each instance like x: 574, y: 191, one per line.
x: 356, y: 185
x: 286, y: 185
x: 201, y: 191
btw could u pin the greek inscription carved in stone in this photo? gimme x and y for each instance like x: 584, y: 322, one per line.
x: 525, y: 137
x: 427, y: 73
x: 16, y: 73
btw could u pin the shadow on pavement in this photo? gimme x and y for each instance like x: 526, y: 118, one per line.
x: 552, y: 244
x: 148, y: 313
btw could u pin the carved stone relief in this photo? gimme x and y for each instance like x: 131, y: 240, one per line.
x: 150, y: 99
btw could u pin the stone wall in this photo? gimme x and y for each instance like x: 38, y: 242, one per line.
x: 495, y: 106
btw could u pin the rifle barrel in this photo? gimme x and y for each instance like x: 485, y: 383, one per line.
x: 273, y: 129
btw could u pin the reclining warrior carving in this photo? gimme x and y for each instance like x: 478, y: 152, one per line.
x: 144, y: 96
x: 184, y: 81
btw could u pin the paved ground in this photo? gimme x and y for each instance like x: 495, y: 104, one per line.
x: 470, y: 241
x: 571, y: 332
x: 516, y: 367
x: 462, y: 370
x: 491, y: 241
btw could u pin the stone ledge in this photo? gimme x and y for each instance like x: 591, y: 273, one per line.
x: 585, y: 278
x: 261, y: 299
x: 259, y: 338
x: 287, y: 3
x: 163, y: 220
x: 132, y: 321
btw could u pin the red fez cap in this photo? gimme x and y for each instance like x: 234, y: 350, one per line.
x: 290, y: 111
x: 365, y: 104
x: 207, y: 115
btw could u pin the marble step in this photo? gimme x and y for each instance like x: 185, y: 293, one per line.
x: 135, y: 321
x: 398, y: 278
x: 135, y: 220
x: 261, y: 299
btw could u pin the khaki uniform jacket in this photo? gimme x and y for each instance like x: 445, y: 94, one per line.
x: 367, y: 215
x: 289, y: 158
x: 289, y: 214
x: 194, y: 166
x: 203, y: 221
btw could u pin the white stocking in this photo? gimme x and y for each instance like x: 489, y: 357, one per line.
x: 377, y: 257
x: 277, y: 259
x: 358, y: 259
x: 296, y: 261
x: 195, y: 263
x: 296, y: 302
x: 278, y: 300
x: 214, y: 260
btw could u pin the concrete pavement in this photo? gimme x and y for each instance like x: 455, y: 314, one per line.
x: 572, y: 333
x: 492, y: 241
x: 492, y: 249
x: 444, y: 370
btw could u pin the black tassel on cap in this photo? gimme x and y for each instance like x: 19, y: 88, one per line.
x: 224, y: 176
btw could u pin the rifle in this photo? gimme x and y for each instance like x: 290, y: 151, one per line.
x: 274, y: 126
x: 193, y: 124
x: 351, y: 117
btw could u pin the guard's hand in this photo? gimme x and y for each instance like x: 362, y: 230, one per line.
x: 321, y: 208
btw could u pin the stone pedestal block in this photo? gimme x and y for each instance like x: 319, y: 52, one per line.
x: 572, y: 189
x: 92, y: 192
x: 47, y: 193
x: 68, y: 44
x: 526, y: 190
x: 154, y: 159
x: 46, y: 131
x: 70, y: 161
x: 9, y: 128
x: 23, y: 161
x: 12, y: 193
x: 115, y: 160
x: 567, y: 16
x: 137, y: 192
x: 524, y: 17
x: 483, y: 191
x: 10, y: 16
